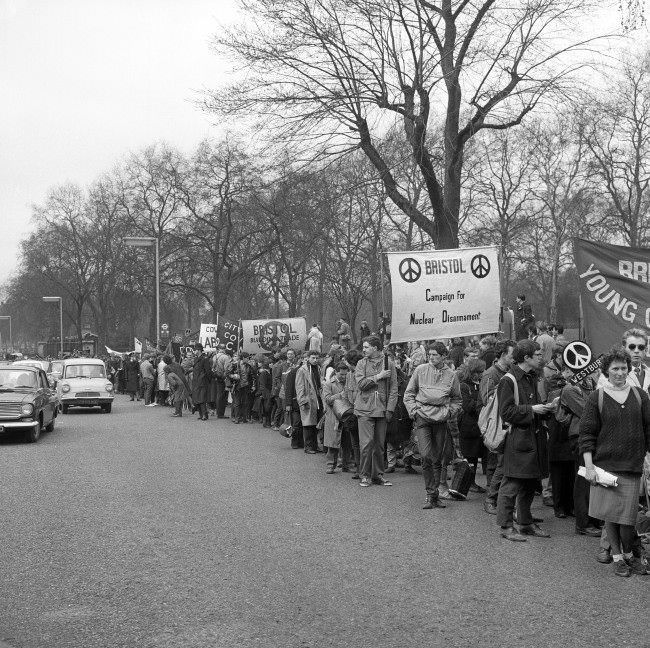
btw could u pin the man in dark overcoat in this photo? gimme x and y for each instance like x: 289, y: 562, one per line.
x: 201, y: 377
x: 525, y: 461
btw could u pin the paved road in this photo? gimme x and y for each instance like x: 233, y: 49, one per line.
x: 135, y: 529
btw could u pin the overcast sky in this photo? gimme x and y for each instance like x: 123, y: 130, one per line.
x: 84, y: 82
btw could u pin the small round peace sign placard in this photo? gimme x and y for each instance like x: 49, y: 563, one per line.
x: 577, y: 355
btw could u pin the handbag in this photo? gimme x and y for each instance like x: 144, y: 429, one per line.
x: 286, y: 429
x: 341, y: 408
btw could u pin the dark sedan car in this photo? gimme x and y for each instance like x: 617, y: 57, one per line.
x: 27, y: 402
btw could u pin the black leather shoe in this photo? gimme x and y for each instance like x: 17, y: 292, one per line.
x: 604, y: 556
x: 428, y: 504
x: 512, y: 534
x: 390, y: 470
x: 534, y: 530
x: 560, y: 514
x: 409, y: 470
x: 310, y: 451
x: 489, y: 507
x: 588, y: 531
x: 535, y: 520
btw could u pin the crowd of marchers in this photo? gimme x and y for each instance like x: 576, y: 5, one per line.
x: 378, y: 407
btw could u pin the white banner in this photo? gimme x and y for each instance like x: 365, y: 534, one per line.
x: 209, y: 336
x: 444, y: 293
x: 261, y: 336
x: 137, y: 345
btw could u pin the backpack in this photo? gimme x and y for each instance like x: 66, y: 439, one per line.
x: 489, y: 420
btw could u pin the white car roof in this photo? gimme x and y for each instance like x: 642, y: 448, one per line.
x: 83, y: 361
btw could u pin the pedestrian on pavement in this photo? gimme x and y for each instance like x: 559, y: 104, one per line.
x: 374, y: 406
x: 315, y: 339
x: 491, y: 377
x: 432, y: 397
x: 163, y: 384
x: 568, y: 414
x: 614, y: 436
x: 524, y: 455
x: 349, y: 423
x: 132, y: 377
x: 471, y: 441
x: 201, y: 376
x: 334, y: 390
x: 308, y: 395
x: 220, y: 365
x: 524, y: 318
x: 291, y: 407
x: 263, y: 392
x: 344, y: 334
x: 364, y: 330
x: 148, y: 374
x: 178, y: 385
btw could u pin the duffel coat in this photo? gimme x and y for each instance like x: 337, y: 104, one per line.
x: 307, y: 396
x: 524, y: 453
x: 332, y: 390
x: 471, y: 442
x: 132, y: 376
x: 201, y: 376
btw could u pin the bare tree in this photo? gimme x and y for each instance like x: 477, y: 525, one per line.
x: 618, y: 137
x: 337, y: 74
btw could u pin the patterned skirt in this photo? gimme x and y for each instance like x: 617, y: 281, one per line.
x: 619, y: 505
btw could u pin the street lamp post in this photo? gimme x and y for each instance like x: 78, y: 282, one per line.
x: 60, y: 301
x: 11, y: 344
x: 149, y: 241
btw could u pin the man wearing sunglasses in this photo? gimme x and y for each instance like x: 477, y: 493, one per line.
x: 635, y: 342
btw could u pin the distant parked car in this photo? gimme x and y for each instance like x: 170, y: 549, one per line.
x: 27, y: 401
x: 84, y: 384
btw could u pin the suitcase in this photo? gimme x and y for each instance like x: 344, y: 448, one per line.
x: 463, y: 480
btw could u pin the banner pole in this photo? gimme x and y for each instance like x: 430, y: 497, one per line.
x: 383, y: 290
x: 581, y: 316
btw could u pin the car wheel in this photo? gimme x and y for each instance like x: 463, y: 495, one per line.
x: 107, y: 408
x: 33, y: 434
x: 64, y: 409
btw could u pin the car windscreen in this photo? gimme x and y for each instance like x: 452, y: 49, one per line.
x: 17, y: 378
x: 84, y: 371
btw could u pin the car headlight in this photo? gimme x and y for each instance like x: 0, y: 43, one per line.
x: 108, y: 387
x: 65, y: 388
x: 27, y: 409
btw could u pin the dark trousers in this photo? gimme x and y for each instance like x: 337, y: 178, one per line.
x: 563, y: 477
x: 309, y: 437
x: 148, y: 390
x: 581, y: 489
x: 350, y: 437
x: 202, y: 409
x: 277, y: 411
x: 222, y: 396
x: 515, y: 491
x: 431, y: 441
x: 495, y: 480
x: 241, y: 404
x: 296, y: 429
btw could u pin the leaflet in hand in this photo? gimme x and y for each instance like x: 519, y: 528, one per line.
x: 603, y: 477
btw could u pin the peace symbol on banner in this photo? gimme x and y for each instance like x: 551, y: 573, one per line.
x: 480, y: 266
x: 410, y: 270
x: 577, y: 355
x: 273, y: 334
